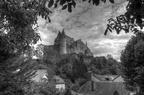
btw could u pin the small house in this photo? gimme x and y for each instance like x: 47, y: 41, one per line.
x: 60, y: 83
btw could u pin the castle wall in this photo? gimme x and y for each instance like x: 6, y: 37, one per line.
x: 88, y: 52
x: 69, y: 39
x: 76, y: 47
x: 80, y: 48
x: 70, y: 48
x: 67, y: 45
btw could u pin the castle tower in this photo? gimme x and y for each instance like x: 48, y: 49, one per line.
x: 57, y: 40
x: 63, y: 33
x: 63, y: 49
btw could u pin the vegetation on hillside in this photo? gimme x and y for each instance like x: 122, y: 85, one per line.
x: 46, y: 87
x: 101, y: 65
x: 71, y: 67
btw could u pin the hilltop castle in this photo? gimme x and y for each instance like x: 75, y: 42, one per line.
x: 64, y: 44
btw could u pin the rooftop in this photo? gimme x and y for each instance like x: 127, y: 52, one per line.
x: 104, y: 88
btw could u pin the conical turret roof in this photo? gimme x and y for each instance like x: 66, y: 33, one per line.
x: 59, y: 34
x: 63, y: 32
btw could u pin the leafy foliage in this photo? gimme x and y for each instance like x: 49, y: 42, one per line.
x: 130, y: 21
x: 71, y: 67
x: 15, y: 75
x: 72, y: 3
x: 42, y: 88
x: 132, y: 63
x: 101, y: 65
x: 38, y: 51
x: 17, y: 19
x: 68, y: 92
x: 17, y: 34
x: 79, y: 68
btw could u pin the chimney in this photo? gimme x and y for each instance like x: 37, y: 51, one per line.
x: 92, y: 85
x: 89, y: 78
x: 89, y: 75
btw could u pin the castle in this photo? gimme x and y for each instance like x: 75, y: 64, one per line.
x: 64, y: 44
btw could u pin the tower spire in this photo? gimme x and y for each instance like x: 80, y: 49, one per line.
x: 63, y: 32
x: 59, y: 33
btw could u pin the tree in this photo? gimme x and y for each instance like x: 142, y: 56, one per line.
x: 68, y: 92
x: 133, y: 63
x: 79, y: 68
x: 38, y: 51
x: 131, y: 20
x: 71, y: 67
x: 113, y: 66
x: 64, y: 67
x: 98, y: 64
x: 42, y: 88
x: 17, y: 19
x: 101, y: 65
x: 15, y: 75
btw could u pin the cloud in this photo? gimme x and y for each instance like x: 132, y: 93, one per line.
x: 103, y: 47
x: 88, y: 22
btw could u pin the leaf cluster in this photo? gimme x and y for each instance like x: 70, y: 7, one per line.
x: 42, y: 88
x: 17, y: 20
x: 69, y: 4
x: 130, y: 20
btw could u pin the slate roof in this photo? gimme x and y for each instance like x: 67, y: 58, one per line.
x: 104, y: 77
x: 118, y: 79
x: 42, y: 71
x: 104, y: 88
x: 59, y: 80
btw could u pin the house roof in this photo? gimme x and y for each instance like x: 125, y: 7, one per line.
x: 42, y: 72
x: 59, y: 80
x: 39, y: 75
x: 118, y: 79
x: 105, y: 77
x: 104, y: 88
x: 73, y: 92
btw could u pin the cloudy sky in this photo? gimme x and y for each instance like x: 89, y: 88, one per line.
x: 87, y: 22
